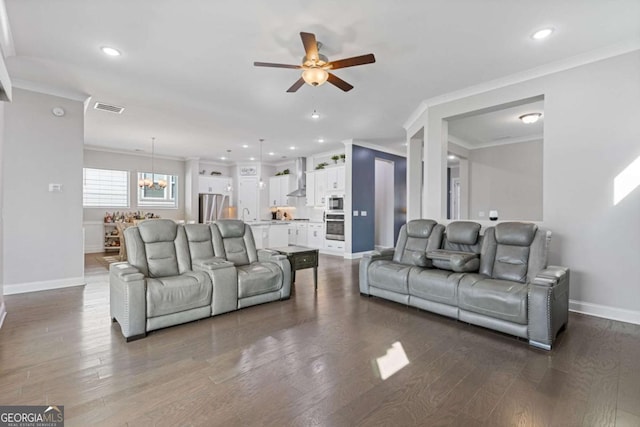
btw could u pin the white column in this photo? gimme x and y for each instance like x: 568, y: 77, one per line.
x: 191, y: 174
x: 414, y: 175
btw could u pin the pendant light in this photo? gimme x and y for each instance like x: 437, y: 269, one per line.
x: 151, y: 183
x: 261, y: 182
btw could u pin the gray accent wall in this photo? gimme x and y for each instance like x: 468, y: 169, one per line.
x: 363, y: 195
x: 42, y: 230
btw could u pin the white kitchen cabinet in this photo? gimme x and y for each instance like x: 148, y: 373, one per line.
x: 260, y: 235
x: 321, y: 186
x: 279, y: 187
x: 334, y: 245
x: 315, y: 236
x: 278, y: 236
x: 298, y: 234
x: 214, y: 184
x: 335, y: 179
x: 311, y: 189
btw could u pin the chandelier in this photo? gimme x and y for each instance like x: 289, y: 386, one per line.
x: 152, y: 183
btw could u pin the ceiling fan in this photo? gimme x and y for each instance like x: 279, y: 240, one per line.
x: 316, y: 66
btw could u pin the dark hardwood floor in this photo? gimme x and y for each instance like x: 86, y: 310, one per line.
x: 310, y: 361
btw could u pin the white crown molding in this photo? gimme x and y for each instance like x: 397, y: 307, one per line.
x: 45, y: 285
x: 131, y: 153
x: 51, y: 90
x: 506, y: 141
x: 543, y: 70
x: 605, y: 311
x: 214, y: 163
x: 461, y: 142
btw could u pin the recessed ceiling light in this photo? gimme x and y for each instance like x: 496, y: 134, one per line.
x: 223, y: 158
x: 321, y: 140
x: 252, y: 158
x: 271, y: 153
x: 292, y: 148
x: 245, y: 146
x: 530, y: 118
x: 111, y: 51
x: 542, y: 34
x: 315, y: 115
x: 451, y: 157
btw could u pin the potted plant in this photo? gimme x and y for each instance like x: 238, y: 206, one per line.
x: 335, y: 158
x: 343, y: 157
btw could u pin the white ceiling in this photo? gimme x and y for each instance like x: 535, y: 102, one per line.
x: 497, y: 127
x: 186, y: 75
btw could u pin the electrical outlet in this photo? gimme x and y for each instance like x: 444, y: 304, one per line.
x: 481, y: 214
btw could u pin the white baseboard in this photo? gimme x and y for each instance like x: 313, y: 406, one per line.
x: 3, y: 313
x: 356, y: 255
x: 605, y: 311
x: 93, y: 249
x: 20, y: 288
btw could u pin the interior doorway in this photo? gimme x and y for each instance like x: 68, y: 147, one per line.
x: 384, y: 203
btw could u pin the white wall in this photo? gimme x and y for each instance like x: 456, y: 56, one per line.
x: 2, y: 305
x: 134, y: 164
x: 506, y: 178
x: 42, y: 230
x: 591, y: 134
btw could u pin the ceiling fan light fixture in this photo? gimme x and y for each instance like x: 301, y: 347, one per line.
x: 315, y: 76
x: 315, y: 115
x: 530, y: 118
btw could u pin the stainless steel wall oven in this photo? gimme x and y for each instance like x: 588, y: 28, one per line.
x: 334, y: 225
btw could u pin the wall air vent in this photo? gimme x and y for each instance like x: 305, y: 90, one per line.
x: 109, y: 108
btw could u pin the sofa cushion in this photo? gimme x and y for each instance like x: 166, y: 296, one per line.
x: 168, y: 295
x: 463, y: 232
x: 515, y: 233
x: 434, y: 285
x: 415, y: 239
x: 258, y: 278
x: 420, y: 228
x: 231, y: 228
x: 501, y: 299
x: 200, y: 241
x: 389, y: 275
x: 511, y: 263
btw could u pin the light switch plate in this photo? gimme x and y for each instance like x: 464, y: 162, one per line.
x: 481, y: 214
x: 55, y: 188
x: 363, y: 213
x: 355, y: 213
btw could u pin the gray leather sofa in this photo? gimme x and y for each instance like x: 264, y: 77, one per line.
x: 500, y: 280
x: 177, y: 274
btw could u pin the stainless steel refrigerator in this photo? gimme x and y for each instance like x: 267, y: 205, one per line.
x: 212, y: 207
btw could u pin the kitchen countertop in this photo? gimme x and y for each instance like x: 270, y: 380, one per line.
x: 281, y: 222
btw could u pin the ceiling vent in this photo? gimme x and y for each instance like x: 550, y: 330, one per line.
x: 109, y: 108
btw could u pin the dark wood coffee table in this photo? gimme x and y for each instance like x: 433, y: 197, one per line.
x: 300, y: 258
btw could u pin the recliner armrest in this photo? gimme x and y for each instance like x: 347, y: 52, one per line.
x: 384, y: 253
x: 211, y: 264
x: 460, y: 262
x: 125, y: 272
x: 267, y: 255
x: 550, y: 276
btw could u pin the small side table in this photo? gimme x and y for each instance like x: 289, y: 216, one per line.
x: 300, y: 258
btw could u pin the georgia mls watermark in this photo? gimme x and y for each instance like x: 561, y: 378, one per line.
x: 32, y: 416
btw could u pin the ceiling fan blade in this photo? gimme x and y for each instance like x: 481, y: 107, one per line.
x: 297, y: 85
x: 310, y: 45
x: 338, y: 82
x: 351, y: 62
x: 270, y: 64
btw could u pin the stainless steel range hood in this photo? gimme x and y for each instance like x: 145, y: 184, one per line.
x: 301, y: 178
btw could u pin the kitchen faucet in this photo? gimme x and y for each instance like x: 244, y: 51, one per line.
x: 248, y: 213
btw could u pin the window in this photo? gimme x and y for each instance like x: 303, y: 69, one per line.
x: 158, y: 197
x: 105, y: 188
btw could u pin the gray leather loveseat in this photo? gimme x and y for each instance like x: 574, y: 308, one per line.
x: 180, y: 273
x: 500, y: 280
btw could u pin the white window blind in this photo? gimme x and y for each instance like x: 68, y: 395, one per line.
x: 105, y: 188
